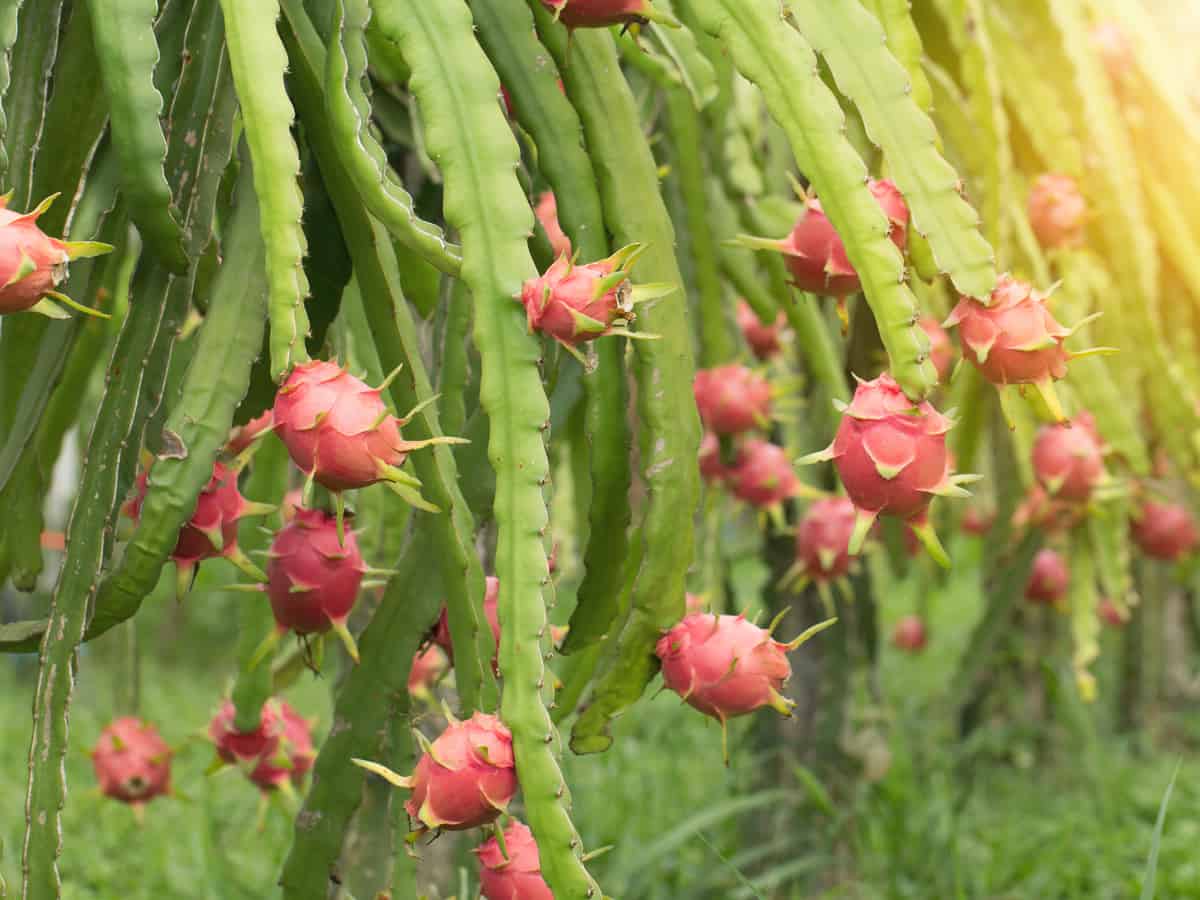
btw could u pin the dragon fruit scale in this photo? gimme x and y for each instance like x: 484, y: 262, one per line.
x: 602, y: 13
x: 132, y: 762
x: 463, y: 780
x: 514, y: 872
x: 33, y: 264
x: 892, y: 460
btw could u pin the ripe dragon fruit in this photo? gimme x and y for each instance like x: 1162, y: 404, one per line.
x: 292, y: 758
x: 1016, y: 340
x: 726, y: 666
x: 274, y: 756
x: 312, y: 578
x: 428, y: 666
x: 547, y: 213
x: 1112, y: 614
x: 732, y: 399
x: 463, y: 780
x: 712, y: 470
x: 764, y: 340
x: 815, y: 253
x: 941, y: 351
x: 245, y: 435
x: 132, y: 762
x: 1068, y: 460
x: 891, y: 457
x: 1049, y: 578
x: 763, y: 475
x: 514, y: 873
x: 909, y: 634
x: 1057, y: 211
x: 33, y: 264
x: 1164, y: 531
x: 575, y: 303
x: 1050, y: 514
x: 338, y: 431
x: 602, y: 13
x: 823, y: 539
x: 491, y: 602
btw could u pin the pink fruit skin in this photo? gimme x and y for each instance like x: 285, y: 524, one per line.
x: 1015, y: 340
x: 712, y: 470
x: 336, y: 427
x: 219, y: 507
x: 941, y: 351
x: 1164, y: 531
x: 132, y: 762
x: 246, y: 747
x: 517, y: 877
x: 1111, y: 614
x: 466, y: 778
x: 1048, y: 578
x: 1068, y: 459
x: 547, y: 213
x: 763, y: 474
x: 763, y: 340
x: 598, y: 13
x: 816, y: 255
x: 293, y: 756
x: 491, y: 609
x: 732, y: 399
x: 428, y: 666
x: 244, y: 435
x: 977, y: 522
x: 823, y: 538
x: 20, y: 236
x: 724, y: 666
x: 312, y: 580
x: 909, y: 634
x: 882, y: 432
x: 551, y: 300
x: 1057, y: 211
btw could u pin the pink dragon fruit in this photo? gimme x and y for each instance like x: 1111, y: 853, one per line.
x: 891, y: 457
x: 602, y: 13
x: 464, y: 779
x: 977, y: 522
x: 763, y: 475
x: 491, y: 604
x: 514, y: 873
x: 132, y: 762
x: 312, y: 578
x: 547, y: 213
x: 815, y: 253
x: 33, y: 264
x: 292, y: 758
x: 1050, y: 514
x: 246, y: 748
x: 1049, y: 578
x: 732, y: 399
x: 712, y: 470
x: 1164, y: 531
x: 245, y: 435
x: 1068, y: 459
x: 763, y: 340
x: 1057, y: 211
x: 823, y: 539
x: 1015, y: 339
x: 1112, y: 614
x: 428, y: 666
x: 909, y: 634
x: 338, y: 431
x: 941, y: 351
x: 726, y: 666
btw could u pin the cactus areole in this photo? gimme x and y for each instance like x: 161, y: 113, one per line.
x: 1164, y: 531
x: 132, y: 762
x: 732, y: 399
x: 514, y: 873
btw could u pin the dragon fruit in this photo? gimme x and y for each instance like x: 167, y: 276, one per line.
x: 132, y: 762
x: 763, y: 474
x: 712, y: 469
x: 909, y: 634
x: 1164, y: 531
x: 514, y: 873
x: 464, y: 779
x: 732, y: 399
x: 941, y: 351
x: 274, y: 756
x: 428, y: 666
x: 1057, y: 211
x: 575, y: 303
x: 313, y: 578
x: 1049, y: 578
x: 491, y: 604
x: 338, y: 431
x: 763, y: 340
x: 726, y: 666
x: 823, y: 539
x: 33, y: 264
x: 602, y: 13
x: 293, y: 756
x: 1050, y: 514
x: 245, y: 435
x: 1068, y: 459
x: 1015, y: 339
x: 1112, y: 614
x: 815, y: 253
x: 891, y: 457
x: 547, y: 213
x: 976, y: 521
